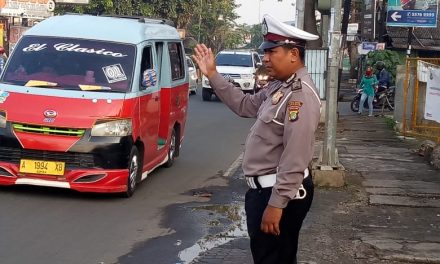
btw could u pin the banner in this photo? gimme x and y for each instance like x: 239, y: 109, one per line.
x: 432, y: 109
x: 424, y: 70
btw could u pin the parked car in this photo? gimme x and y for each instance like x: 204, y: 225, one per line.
x: 238, y: 66
x: 92, y: 110
x: 193, y: 77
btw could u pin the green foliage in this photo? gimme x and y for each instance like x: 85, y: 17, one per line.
x: 390, y: 58
x: 256, y: 36
x: 211, y: 21
x: 108, y: 7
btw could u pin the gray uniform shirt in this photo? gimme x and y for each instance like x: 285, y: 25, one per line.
x: 282, y: 139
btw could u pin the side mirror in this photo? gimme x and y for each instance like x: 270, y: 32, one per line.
x: 149, y: 78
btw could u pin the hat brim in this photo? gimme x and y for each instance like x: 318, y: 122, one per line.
x: 269, y: 45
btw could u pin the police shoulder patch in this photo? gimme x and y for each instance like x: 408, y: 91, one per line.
x: 293, y: 108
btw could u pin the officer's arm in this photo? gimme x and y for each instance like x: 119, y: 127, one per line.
x: 301, y: 121
x: 245, y: 105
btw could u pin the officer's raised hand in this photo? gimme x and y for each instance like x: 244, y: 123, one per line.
x: 205, y: 59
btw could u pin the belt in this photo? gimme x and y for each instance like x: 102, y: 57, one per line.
x: 269, y: 180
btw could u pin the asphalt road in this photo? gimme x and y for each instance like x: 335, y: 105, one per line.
x: 51, y: 226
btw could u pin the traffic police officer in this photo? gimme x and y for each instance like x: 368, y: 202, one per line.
x: 280, y: 145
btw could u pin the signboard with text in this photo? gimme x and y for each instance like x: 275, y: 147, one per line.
x: 412, y: 13
x: 33, y: 9
x: 369, y: 46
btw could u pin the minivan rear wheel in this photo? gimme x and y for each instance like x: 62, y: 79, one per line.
x: 172, y: 149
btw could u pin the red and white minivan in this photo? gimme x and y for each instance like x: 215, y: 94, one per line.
x: 92, y: 103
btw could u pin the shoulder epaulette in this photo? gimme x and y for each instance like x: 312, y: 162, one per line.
x: 296, y: 86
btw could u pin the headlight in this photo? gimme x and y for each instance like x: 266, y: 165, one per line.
x: 114, y: 128
x: 247, y: 76
x: 263, y: 77
x: 2, y: 119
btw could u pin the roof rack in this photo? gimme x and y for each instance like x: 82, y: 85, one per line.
x: 139, y: 18
x: 144, y: 19
x: 157, y: 20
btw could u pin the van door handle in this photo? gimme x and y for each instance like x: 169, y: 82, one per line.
x: 156, y: 98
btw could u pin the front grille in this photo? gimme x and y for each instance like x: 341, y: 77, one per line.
x: 232, y: 75
x: 72, y: 160
x: 60, y: 131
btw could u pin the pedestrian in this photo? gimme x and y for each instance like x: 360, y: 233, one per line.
x: 368, y: 85
x: 3, y: 58
x: 280, y: 145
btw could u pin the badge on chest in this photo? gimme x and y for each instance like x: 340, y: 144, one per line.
x: 276, y: 97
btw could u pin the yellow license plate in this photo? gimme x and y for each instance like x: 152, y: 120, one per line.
x: 42, y: 167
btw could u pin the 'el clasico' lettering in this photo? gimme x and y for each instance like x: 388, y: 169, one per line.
x: 77, y: 48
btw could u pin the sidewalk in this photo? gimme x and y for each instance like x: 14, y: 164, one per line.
x: 389, y: 212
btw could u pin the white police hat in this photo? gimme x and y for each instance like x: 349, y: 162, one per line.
x: 277, y: 33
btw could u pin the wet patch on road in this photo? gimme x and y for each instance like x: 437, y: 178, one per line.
x: 197, y: 227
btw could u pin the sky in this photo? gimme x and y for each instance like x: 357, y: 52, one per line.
x: 250, y: 10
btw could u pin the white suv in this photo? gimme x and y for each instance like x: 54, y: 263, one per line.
x: 238, y: 66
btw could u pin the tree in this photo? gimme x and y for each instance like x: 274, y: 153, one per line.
x: 256, y: 36
x: 213, y: 20
x: 310, y: 24
x: 215, y: 24
x: 109, y: 7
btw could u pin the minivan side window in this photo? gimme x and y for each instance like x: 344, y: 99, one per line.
x: 148, y: 74
x: 177, y: 63
x: 147, y: 59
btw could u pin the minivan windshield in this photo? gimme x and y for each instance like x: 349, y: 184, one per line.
x: 73, y: 64
x: 229, y: 59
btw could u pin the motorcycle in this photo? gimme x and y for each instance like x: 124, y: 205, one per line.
x: 381, y: 100
x: 261, y: 81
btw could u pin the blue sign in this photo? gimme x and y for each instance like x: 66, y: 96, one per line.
x: 369, y: 45
x: 410, y: 13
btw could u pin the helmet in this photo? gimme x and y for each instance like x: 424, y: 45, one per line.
x: 380, y: 65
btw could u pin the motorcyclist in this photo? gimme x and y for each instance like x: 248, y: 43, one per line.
x: 383, y: 76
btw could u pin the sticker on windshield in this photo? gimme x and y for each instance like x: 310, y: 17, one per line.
x: 3, y: 96
x: 114, y: 73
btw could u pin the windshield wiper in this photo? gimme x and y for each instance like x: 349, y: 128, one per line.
x: 226, y: 64
x: 98, y: 88
x: 234, y: 65
x: 42, y: 84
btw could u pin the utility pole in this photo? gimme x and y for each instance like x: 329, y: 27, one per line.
x: 300, y: 14
x: 200, y: 21
x: 329, y: 154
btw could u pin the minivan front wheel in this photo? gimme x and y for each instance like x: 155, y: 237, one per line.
x: 134, y: 172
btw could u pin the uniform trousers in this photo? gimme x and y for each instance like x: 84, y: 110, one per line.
x: 270, y: 249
